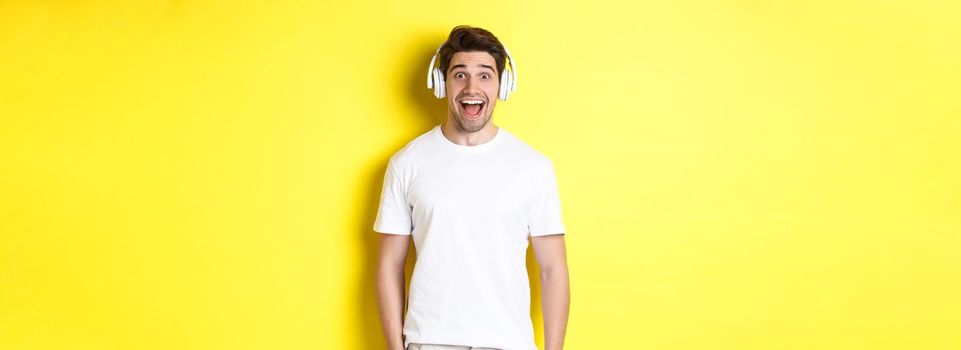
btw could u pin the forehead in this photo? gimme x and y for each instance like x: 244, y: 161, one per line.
x: 472, y: 59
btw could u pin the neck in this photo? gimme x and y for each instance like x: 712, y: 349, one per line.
x: 462, y: 137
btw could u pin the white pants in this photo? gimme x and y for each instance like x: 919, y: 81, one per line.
x: 416, y: 346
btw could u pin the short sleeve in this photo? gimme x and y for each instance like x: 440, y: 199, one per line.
x: 394, y: 213
x: 545, y: 212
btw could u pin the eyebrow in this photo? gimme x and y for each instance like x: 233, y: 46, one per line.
x: 465, y: 66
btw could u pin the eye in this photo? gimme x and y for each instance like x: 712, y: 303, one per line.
x: 459, y: 75
x: 486, y: 76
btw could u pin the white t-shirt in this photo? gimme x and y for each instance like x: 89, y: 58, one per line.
x: 470, y: 210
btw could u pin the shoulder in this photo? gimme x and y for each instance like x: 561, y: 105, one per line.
x: 412, y: 151
x: 528, y: 154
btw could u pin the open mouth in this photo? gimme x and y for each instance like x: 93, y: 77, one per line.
x: 472, y: 107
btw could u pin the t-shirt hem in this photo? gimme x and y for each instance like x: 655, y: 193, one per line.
x: 547, y: 234
x: 445, y: 341
x: 392, y: 231
x: 550, y: 231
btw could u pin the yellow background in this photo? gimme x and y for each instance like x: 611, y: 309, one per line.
x: 733, y: 174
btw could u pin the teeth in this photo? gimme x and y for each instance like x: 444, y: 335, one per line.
x: 472, y: 102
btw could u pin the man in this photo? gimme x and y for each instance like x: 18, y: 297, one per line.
x: 470, y: 195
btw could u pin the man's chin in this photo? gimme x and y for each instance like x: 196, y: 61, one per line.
x: 471, y: 125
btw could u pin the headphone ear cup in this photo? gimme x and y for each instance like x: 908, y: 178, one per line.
x: 440, y: 88
x: 510, y: 86
x: 506, y: 81
x: 433, y: 74
x: 502, y: 90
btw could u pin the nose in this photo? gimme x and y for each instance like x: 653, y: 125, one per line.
x: 471, y: 85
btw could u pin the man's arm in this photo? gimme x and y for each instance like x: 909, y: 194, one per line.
x: 390, y: 287
x: 551, y: 255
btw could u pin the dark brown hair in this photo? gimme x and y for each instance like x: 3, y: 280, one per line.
x: 466, y: 38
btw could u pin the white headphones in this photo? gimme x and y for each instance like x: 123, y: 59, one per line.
x: 435, y: 78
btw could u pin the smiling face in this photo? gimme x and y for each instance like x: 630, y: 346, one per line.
x: 472, y: 85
